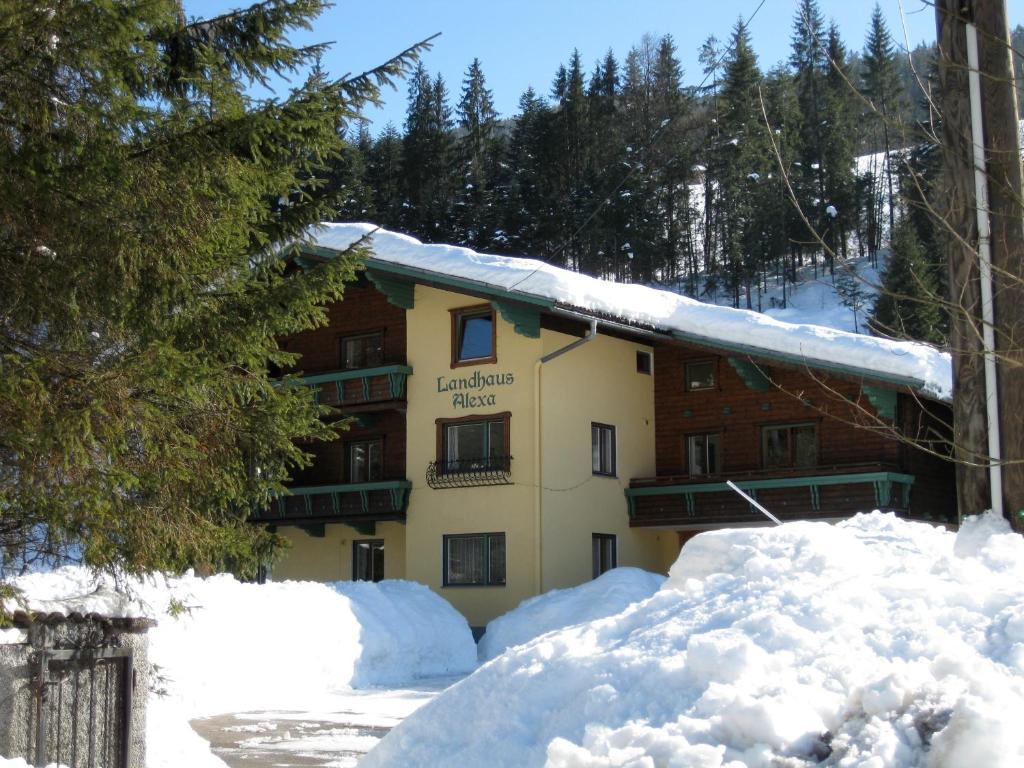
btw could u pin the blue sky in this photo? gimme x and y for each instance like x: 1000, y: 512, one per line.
x: 522, y: 42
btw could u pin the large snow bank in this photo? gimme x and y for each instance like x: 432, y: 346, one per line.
x: 612, y: 592
x: 875, y: 642
x: 221, y: 645
x: 664, y: 310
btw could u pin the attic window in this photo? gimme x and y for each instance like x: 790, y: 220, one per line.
x: 473, y: 334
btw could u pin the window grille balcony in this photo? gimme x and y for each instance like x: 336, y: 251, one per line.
x: 468, y: 473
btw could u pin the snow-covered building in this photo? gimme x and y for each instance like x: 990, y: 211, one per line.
x: 518, y: 427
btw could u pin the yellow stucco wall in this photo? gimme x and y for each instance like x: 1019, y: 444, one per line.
x: 330, y: 558
x: 496, y: 509
x: 596, y: 382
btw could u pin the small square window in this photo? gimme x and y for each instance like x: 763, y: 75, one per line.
x: 703, y: 454
x: 474, y: 560
x: 604, y: 555
x: 602, y: 449
x: 363, y: 351
x: 473, y: 336
x: 700, y: 374
x: 789, y: 445
x: 643, y: 362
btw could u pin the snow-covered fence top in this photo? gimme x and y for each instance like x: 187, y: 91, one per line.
x: 925, y: 368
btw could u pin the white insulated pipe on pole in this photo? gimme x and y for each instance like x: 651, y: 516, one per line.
x: 995, y: 468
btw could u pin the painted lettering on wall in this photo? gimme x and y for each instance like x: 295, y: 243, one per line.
x: 469, y: 391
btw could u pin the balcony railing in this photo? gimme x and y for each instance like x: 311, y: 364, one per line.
x: 467, y: 473
x: 361, y: 386
x: 377, y: 501
x: 813, y: 492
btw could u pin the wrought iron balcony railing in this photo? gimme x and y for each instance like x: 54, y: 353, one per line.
x: 467, y: 473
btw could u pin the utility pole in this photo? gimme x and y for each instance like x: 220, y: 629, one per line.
x: 974, y: 337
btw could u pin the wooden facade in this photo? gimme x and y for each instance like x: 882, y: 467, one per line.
x: 862, y: 456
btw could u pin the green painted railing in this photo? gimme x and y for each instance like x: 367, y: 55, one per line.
x: 881, y: 481
x: 396, y: 375
x: 398, y: 491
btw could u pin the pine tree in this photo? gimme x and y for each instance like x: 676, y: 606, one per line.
x: 148, y: 199
x: 384, y: 177
x: 908, y: 305
x: 743, y: 159
x: 809, y: 65
x: 428, y: 159
x: 478, y: 149
x: 839, y: 138
x: 880, y: 85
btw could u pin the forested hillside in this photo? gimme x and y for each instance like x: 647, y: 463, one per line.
x: 724, y: 184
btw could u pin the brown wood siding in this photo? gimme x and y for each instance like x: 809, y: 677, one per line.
x: 362, y: 310
x: 738, y: 413
x: 330, y: 465
x: 934, y: 494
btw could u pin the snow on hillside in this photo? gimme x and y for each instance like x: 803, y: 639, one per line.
x: 611, y: 593
x: 923, y: 366
x: 874, y: 642
x: 231, y: 646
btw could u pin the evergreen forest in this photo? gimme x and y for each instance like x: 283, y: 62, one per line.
x: 757, y: 176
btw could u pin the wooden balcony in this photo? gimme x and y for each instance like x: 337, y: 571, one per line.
x: 362, y: 389
x: 797, y: 494
x: 357, y: 504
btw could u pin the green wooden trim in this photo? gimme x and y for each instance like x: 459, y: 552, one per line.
x: 799, y: 360
x: 525, y: 318
x: 316, y: 530
x: 380, y: 485
x: 401, y: 293
x: 752, y: 374
x: 884, y: 400
x: 882, y: 482
x: 359, y: 373
x: 461, y: 283
x: 366, y: 529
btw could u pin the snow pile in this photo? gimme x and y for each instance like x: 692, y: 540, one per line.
x: 921, y: 365
x: 611, y: 593
x: 875, y: 642
x: 221, y: 645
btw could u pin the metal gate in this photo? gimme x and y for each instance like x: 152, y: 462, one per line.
x: 81, y: 716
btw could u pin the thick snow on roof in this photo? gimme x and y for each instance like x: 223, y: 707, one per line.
x: 662, y: 310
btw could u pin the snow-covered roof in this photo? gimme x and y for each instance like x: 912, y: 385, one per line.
x: 920, y: 366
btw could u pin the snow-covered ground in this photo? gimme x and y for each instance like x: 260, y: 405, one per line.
x: 607, y: 595
x: 223, y: 646
x: 876, y: 643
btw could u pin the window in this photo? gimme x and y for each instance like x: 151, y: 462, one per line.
x: 474, y: 560
x: 368, y: 560
x: 365, y: 462
x: 363, y: 351
x: 602, y: 449
x: 475, y: 444
x: 643, y: 362
x: 473, y: 336
x: 703, y: 454
x: 789, y: 445
x: 603, y: 547
x: 700, y: 375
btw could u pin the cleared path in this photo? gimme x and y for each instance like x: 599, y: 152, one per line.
x: 335, y: 736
